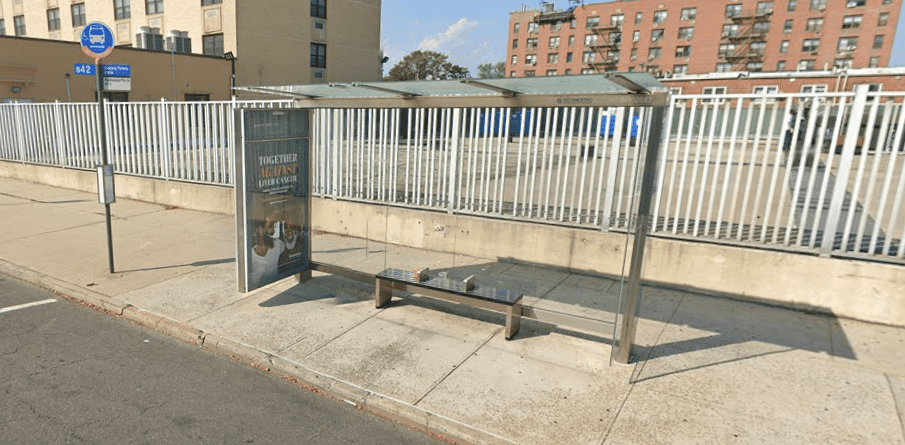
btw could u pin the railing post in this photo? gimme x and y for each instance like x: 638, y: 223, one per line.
x: 453, y: 159
x: 58, y: 128
x: 20, y: 132
x: 845, y: 165
x: 165, y: 139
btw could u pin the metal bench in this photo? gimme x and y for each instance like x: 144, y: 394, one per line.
x: 462, y: 292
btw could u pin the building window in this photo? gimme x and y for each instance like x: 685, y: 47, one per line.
x: 587, y: 71
x: 730, y: 30
x: 689, y: 14
x: 529, y: 73
x: 792, y: 5
x: 810, y: 45
x: 755, y: 66
x: 318, y: 55
x: 587, y: 57
x: 818, y: 5
x: 512, y: 74
x: 683, y: 51
x: 874, y: 62
x: 787, y: 26
x: 514, y: 43
x: 617, y: 20
x: 878, y: 42
x: 680, y: 69
x: 656, y: 35
x: 531, y: 44
x: 764, y: 8
x: 2, y: 27
x: 210, y: 2
x: 659, y: 17
x: 571, y: 40
x: 634, y: 54
x: 713, y: 91
x: 551, y: 72
x: 855, y: 3
x: 153, y: 7
x: 53, y: 19
x: 514, y: 60
x: 592, y: 22
x: 636, y: 36
x: 531, y: 59
x: 654, y: 53
x: 733, y: 10
x: 556, y: 27
x: 686, y: 33
x: 553, y: 58
x: 761, y: 28
x: 319, y: 9
x: 568, y: 57
x: 568, y: 71
x: 815, y: 25
x: 532, y: 27
x: 727, y: 49
x: 213, y: 44
x: 19, y: 24
x: 851, y: 22
x: 806, y: 65
x: 554, y: 42
x: 590, y: 40
x: 842, y: 63
x: 781, y: 65
x: 758, y: 47
x: 638, y: 17
x: 847, y: 44
x: 122, y: 9
x: 78, y: 14
x: 883, y: 20
x: 516, y: 27
x: 573, y: 23
x: 765, y: 90
x: 784, y: 46
x: 723, y: 67
x: 819, y: 88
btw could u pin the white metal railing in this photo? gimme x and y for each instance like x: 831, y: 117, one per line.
x: 189, y: 141
x: 817, y: 173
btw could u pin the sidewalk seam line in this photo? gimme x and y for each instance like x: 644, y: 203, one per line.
x: 896, y: 403
x: 470, y: 355
x: 334, y: 338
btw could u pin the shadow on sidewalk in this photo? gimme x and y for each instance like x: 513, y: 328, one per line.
x: 195, y: 264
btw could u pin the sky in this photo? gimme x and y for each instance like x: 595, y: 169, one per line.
x: 475, y: 31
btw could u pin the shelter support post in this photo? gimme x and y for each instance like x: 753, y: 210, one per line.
x: 631, y: 303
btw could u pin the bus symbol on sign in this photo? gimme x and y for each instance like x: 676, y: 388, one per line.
x: 97, y: 40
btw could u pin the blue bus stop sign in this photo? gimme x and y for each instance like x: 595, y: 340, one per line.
x: 97, y: 40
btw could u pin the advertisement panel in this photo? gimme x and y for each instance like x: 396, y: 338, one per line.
x: 272, y: 196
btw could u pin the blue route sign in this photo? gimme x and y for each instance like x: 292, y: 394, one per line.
x: 117, y: 71
x: 97, y: 40
x: 84, y: 69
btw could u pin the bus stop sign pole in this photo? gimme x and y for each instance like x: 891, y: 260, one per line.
x: 97, y: 43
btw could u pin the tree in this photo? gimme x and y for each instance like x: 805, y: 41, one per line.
x: 426, y: 65
x: 492, y: 70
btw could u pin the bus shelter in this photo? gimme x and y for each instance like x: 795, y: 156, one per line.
x: 541, y: 147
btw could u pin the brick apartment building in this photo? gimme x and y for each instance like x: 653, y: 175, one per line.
x: 701, y: 36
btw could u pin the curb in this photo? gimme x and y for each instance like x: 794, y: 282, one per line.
x: 376, y: 404
x: 64, y: 289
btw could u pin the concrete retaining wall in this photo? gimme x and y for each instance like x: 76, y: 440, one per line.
x: 846, y: 288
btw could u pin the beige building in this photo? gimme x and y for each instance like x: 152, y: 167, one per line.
x: 154, y: 75
x: 275, y: 42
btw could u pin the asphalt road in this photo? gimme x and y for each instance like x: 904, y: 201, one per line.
x: 69, y: 374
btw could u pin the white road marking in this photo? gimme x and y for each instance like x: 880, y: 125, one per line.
x: 23, y: 306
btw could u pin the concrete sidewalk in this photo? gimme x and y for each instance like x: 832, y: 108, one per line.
x: 709, y: 370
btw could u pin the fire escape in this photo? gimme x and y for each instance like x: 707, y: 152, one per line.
x: 605, y: 47
x: 749, y: 38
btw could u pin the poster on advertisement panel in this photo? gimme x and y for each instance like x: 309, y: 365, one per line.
x: 272, y: 196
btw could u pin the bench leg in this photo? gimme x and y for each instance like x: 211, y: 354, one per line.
x: 383, y: 294
x: 513, y: 319
x: 303, y: 277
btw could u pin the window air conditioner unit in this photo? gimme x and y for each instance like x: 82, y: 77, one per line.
x: 725, y: 34
x: 178, y: 41
x: 651, y: 57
